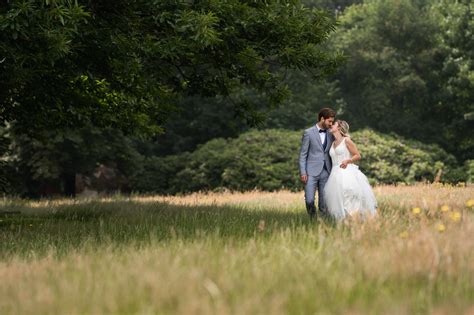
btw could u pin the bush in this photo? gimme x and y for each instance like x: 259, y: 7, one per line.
x: 391, y: 159
x: 268, y: 160
x: 157, y: 174
x: 257, y: 159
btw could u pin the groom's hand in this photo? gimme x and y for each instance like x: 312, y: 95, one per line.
x: 304, y: 178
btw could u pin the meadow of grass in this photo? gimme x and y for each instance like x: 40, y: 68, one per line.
x: 238, y: 253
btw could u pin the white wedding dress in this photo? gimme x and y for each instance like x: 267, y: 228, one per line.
x: 347, y: 191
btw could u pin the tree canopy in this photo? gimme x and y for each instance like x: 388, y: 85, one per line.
x: 79, y: 79
x: 125, y: 63
x: 410, y: 70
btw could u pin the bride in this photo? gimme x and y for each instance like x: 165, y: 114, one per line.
x: 347, y: 191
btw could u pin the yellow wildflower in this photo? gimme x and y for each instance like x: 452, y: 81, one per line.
x: 416, y: 210
x: 445, y: 208
x: 470, y: 203
x: 404, y: 234
x: 441, y: 227
x: 455, y: 216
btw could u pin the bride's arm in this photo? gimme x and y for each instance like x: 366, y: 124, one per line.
x: 354, y: 152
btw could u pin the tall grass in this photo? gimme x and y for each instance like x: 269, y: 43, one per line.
x: 238, y: 253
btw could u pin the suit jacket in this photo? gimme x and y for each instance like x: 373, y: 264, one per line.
x: 313, y: 156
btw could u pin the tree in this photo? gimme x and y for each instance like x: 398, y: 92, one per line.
x: 46, y: 167
x: 125, y: 63
x: 71, y: 66
x: 410, y: 70
x: 456, y: 97
x: 333, y: 5
x: 197, y: 120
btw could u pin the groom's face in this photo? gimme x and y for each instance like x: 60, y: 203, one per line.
x: 327, y: 123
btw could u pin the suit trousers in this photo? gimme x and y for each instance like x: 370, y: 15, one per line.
x: 316, y: 183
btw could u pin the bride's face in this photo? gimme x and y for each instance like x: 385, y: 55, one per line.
x: 334, y: 127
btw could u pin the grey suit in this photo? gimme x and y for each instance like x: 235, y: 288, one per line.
x: 315, y: 162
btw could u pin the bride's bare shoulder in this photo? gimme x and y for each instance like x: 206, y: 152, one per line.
x: 349, y: 141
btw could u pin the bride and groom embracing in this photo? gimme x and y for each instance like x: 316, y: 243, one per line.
x: 326, y: 165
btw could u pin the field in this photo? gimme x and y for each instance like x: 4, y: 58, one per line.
x: 238, y: 253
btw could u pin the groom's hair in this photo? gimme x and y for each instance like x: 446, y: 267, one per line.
x: 326, y: 113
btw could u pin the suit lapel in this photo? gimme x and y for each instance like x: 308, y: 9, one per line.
x: 329, y: 140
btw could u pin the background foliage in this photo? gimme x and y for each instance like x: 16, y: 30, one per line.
x: 410, y: 70
x: 267, y: 160
x: 149, y: 88
x: 124, y: 64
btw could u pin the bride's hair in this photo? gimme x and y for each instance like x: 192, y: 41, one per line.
x: 343, y: 127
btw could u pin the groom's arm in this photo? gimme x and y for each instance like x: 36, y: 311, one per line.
x: 304, y: 155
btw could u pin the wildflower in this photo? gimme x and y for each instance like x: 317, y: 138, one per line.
x: 261, y: 226
x: 445, y: 208
x: 441, y: 227
x: 455, y: 216
x: 470, y: 203
x: 416, y: 210
x: 31, y: 225
x: 404, y: 234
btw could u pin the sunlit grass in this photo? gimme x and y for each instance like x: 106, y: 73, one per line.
x: 238, y: 253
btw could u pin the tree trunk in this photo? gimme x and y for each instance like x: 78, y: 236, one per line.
x: 69, y: 181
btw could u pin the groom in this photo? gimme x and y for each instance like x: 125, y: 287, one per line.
x: 315, y: 162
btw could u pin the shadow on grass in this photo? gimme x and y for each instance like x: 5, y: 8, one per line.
x: 66, y: 227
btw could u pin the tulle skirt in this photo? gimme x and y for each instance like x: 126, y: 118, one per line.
x: 348, y: 193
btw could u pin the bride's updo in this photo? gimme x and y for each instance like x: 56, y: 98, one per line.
x: 343, y: 128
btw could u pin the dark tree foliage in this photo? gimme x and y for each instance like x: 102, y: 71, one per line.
x: 410, y: 70
x: 125, y: 63
x: 71, y: 66
x: 335, y: 6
